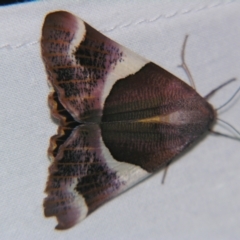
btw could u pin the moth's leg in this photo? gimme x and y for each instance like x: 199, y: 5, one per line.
x: 184, y: 65
x: 165, y: 171
x: 189, y: 75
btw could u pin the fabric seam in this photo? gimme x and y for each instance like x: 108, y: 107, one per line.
x: 142, y: 21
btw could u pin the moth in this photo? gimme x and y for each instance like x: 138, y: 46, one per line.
x: 121, y: 118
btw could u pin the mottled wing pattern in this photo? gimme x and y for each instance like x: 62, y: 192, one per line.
x: 82, y: 66
x: 121, y: 117
x: 84, y: 175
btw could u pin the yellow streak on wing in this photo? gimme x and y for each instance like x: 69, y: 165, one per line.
x: 156, y: 119
x: 178, y: 118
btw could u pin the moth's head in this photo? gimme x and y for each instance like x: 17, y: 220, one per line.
x: 216, y: 110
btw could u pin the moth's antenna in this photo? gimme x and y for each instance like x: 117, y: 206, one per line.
x: 229, y: 125
x: 223, y: 105
x: 229, y: 100
x: 184, y: 65
x: 225, y: 135
x: 219, y: 87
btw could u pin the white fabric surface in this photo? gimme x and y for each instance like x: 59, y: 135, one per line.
x: 201, y: 196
